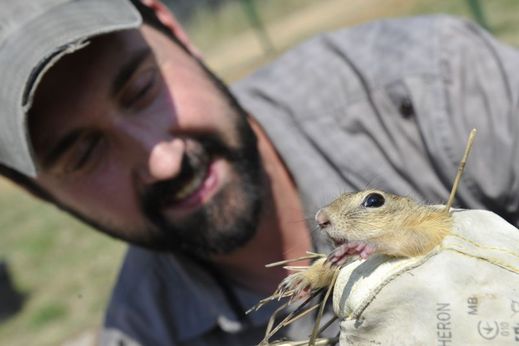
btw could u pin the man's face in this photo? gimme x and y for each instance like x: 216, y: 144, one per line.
x: 132, y: 134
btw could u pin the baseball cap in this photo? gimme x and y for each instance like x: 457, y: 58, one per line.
x: 34, y: 35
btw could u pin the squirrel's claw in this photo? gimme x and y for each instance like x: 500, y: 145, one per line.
x: 301, y: 284
x: 297, y: 283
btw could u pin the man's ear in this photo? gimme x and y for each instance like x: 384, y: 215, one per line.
x: 168, y: 19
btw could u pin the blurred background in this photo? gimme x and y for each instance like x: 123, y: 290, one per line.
x: 56, y: 274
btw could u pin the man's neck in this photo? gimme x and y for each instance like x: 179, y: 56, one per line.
x: 282, y: 231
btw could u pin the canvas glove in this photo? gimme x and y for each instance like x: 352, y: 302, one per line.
x: 465, y: 292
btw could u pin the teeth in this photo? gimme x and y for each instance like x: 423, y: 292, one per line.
x: 191, y: 185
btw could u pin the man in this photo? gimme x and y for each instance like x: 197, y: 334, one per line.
x: 128, y: 131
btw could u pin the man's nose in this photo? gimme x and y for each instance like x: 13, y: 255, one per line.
x: 154, y: 153
x: 165, y: 160
x: 157, y: 159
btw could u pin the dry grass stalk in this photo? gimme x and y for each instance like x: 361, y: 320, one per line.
x: 316, y: 330
x: 298, y: 313
x: 310, y: 255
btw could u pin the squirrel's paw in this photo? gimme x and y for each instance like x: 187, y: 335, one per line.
x: 301, y: 284
x: 298, y: 284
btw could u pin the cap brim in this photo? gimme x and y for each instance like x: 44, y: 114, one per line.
x: 27, y: 54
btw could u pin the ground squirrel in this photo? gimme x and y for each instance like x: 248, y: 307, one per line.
x: 363, y: 223
x: 367, y: 222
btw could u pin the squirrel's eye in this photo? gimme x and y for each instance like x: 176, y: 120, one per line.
x: 373, y: 200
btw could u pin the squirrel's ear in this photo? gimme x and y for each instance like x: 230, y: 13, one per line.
x: 168, y: 19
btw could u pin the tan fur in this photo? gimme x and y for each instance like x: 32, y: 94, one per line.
x: 319, y: 270
x: 318, y: 275
x: 401, y: 227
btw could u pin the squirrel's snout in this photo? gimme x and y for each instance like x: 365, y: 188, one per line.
x: 322, y: 219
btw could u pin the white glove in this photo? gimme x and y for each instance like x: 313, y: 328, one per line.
x: 465, y: 292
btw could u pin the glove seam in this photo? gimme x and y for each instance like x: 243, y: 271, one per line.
x: 478, y: 245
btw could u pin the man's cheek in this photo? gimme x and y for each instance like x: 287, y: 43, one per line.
x: 109, y: 205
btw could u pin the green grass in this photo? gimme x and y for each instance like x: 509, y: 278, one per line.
x: 210, y: 29
x: 47, y: 314
x: 66, y: 269
x: 501, y: 15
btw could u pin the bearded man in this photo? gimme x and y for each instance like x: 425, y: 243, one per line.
x: 110, y: 113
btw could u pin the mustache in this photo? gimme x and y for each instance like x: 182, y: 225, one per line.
x: 207, y: 148
x: 156, y: 194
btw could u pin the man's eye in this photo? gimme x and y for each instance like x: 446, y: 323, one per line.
x: 83, y: 153
x: 140, y: 90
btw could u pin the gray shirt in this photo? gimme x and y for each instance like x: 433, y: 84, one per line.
x: 386, y: 105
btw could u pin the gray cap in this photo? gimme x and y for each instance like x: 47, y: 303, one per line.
x: 34, y: 34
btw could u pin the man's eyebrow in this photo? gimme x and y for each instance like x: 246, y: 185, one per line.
x: 60, y: 148
x: 128, y: 68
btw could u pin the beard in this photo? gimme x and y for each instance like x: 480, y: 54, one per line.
x: 230, y: 218
x: 225, y: 222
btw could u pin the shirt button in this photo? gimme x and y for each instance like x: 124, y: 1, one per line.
x: 406, y: 108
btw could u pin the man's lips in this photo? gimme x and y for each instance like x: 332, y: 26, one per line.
x: 194, y: 192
